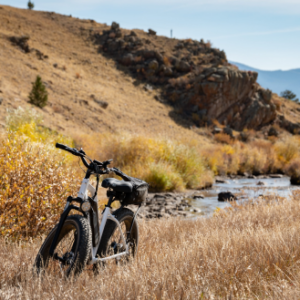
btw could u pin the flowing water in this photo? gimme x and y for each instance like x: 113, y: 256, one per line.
x: 244, y: 188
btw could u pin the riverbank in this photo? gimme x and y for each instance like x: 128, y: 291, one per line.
x: 193, y: 203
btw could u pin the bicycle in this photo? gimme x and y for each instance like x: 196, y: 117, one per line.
x: 79, y: 240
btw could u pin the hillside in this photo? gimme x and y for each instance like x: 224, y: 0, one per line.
x: 277, y: 81
x: 77, y: 78
x: 106, y: 79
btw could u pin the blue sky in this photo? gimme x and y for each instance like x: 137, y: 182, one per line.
x: 264, y: 34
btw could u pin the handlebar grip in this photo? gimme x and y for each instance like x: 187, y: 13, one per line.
x: 60, y: 146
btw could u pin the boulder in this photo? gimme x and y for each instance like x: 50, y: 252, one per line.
x: 221, y: 180
x: 153, y: 64
x: 115, y: 26
x: 260, y: 183
x: 272, y: 132
x: 276, y: 175
x: 151, y: 32
x: 295, y: 180
x: 127, y: 59
x: 216, y: 130
x: 182, y: 66
x: 227, y: 130
x: 226, y: 196
x: 168, y: 72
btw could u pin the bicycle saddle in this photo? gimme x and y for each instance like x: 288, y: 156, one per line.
x: 117, y: 185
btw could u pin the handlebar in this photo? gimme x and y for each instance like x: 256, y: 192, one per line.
x: 93, y: 166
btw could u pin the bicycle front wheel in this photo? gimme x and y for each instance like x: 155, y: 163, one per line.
x: 73, y: 248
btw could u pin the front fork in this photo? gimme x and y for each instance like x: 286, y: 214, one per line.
x: 62, y: 220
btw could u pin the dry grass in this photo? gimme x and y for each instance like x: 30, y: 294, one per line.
x: 247, y: 252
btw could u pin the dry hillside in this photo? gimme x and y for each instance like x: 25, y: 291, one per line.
x: 76, y: 77
x: 83, y: 70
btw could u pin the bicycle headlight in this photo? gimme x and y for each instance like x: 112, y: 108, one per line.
x: 86, y: 206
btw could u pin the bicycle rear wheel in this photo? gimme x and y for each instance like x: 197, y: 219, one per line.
x: 73, y: 247
x: 111, y: 241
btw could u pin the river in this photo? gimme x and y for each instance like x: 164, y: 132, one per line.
x: 244, y: 188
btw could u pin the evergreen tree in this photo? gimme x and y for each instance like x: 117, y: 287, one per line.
x: 287, y: 94
x: 30, y: 5
x: 38, y: 95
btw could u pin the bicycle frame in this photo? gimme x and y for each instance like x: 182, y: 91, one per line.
x: 107, y: 215
x: 85, y: 188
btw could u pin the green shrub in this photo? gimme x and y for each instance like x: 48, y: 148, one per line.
x: 30, y: 5
x: 38, y: 95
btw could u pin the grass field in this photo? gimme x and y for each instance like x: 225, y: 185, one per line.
x: 246, y: 252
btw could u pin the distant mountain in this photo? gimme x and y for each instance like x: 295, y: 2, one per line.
x: 277, y: 81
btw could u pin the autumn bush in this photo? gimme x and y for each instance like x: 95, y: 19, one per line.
x: 165, y: 164
x: 35, y: 178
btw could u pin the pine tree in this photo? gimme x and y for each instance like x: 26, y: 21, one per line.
x: 287, y: 94
x: 38, y: 95
x: 30, y: 5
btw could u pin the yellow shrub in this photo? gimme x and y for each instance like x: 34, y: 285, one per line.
x: 147, y: 158
x: 287, y: 150
x: 33, y: 186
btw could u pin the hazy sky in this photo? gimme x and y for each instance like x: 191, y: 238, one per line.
x: 264, y: 34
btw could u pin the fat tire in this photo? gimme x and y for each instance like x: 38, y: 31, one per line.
x: 83, y: 247
x: 122, y: 214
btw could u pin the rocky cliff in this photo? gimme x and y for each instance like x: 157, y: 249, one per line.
x: 195, y: 78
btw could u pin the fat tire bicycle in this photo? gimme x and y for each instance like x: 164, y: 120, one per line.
x: 79, y: 240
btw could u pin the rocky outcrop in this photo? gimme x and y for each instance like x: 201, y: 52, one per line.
x: 197, y: 79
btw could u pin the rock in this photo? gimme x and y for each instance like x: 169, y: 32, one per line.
x: 168, y: 71
x: 182, y: 66
x: 153, y: 64
x: 261, y: 183
x: 227, y: 130
x: 127, y: 59
x: 226, y: 196
x: 272, y: 132
x: 276, y: 175
x: 1, y: 100
x: 115, y: 26
x: 251, y: 176
x: 55, y: 65
x: 151, y: 32
x: 266, y: 94
x: 216, y: 130
x: 196, y: 210
x: 148, y: 88
x: 102, y: 103
x: 197, y: 195
x: 295, y: 180
x: 221, y: 180
x: 112, y: 45
x: 159, y: 98
x: 132, y: 33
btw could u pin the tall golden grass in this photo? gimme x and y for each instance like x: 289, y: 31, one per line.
x: 165, y: 164
x: 251, y: 251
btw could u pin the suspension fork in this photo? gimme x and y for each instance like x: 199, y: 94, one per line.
x: 62, y: 220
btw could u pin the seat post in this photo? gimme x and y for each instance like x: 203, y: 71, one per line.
x: 110, y: 201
